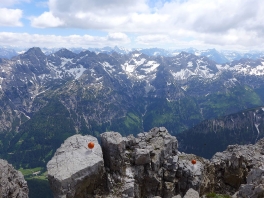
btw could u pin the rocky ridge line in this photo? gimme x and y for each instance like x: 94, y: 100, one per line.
x: 150, y: 165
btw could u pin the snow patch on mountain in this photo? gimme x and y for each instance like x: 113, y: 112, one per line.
x: 230, y: 82
x: 149, y: 87
x: 139, y: 62
x: 185, y: 87
x: 129, y: 68
x: 222, y: 67
x: 249, y: 70
x: 201, y: 71
x: 61, y: 70
x: 190, y: 64
x: 107, y: 67
x: 182, y: 74
x: 64, y: 61
x: 150, y: 66
x: 198, y: 53
x: 76, y: 72
x: 136, y: 54
x: 140, y: 77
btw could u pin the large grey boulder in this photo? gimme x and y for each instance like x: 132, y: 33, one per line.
x: 12, y: 182
x: 75, y: 170
x: 255, y: 184
x: 190, y: 175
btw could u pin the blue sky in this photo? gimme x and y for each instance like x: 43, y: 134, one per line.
x: 202, y: 24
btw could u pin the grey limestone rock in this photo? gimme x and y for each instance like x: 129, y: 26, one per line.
x: 12, y: 182
x: 75, y: 170
x: 113, y: 146
x: 255, y: 184
x: 142, y: 156
x: 191, y: 175
x: 233, y: 165
x: 149, y: 165
x: 191, y: 194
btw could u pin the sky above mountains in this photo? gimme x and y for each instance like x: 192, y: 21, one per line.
x: 221, y: 24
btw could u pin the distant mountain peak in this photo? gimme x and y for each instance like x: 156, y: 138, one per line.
x: 65, y: 53
x: 34, y: 50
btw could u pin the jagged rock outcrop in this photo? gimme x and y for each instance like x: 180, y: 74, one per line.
x: 234, y: 166
x: 150, y: 165
x: 75, y: 170
x: 255, y: 184
x: 12, y: 182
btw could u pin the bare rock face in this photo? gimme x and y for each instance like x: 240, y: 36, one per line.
x: 113, y: 147
x: 232, y: 167
x: 255, y: 184
x: 150, y: 165
x: 12, y: 182
x: 75, y: 170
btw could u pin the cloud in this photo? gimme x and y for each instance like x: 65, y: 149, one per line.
x: 10, y: 17
x: 118, y: 36
x: 198, y: 15
x: 85, y: 41
x: 217, y: 22
x: 89, y: 14
x: 98, y: 7
x: 216, y: 16
x: 46, y: 20
x: 153, y: 40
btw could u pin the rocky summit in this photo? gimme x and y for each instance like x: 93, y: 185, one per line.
x: 12, y: 182
x: 150, y: 165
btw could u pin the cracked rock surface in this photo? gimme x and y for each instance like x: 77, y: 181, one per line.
x: 12, y: 182
x: 233, y: 165
x: 75, y: 170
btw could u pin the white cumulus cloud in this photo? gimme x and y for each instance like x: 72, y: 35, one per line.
x: 118, y: 36
x: 46, y: 20
x: 85, y: 41
x: 10, y: 17
x: 217, y: 22
x: 101, y: 14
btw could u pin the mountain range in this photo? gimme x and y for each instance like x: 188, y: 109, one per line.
x: 47, y: 98
x: 220, y: 57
